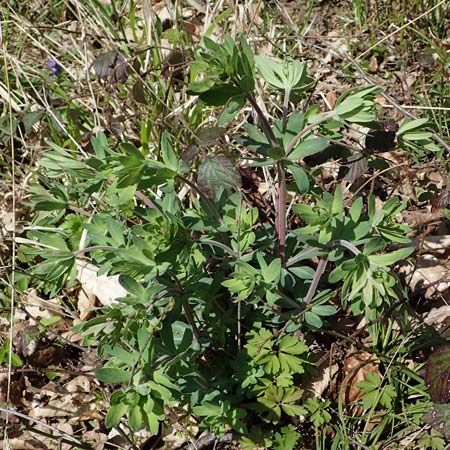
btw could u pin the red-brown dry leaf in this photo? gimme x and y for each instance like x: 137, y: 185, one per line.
x: 331, y: 98
x: 355, y: 368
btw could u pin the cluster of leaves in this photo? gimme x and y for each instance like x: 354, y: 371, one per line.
x: 198, y: 270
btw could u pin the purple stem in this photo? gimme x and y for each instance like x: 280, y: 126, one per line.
x: 280, y: 207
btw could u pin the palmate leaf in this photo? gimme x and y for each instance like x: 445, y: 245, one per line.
x: 60, y: 162
x: 287, y: 439
x: 217, y: 172
x: 289, y: 75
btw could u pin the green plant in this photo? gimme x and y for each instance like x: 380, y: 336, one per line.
x: 5, y: 355
x: 206, y: 284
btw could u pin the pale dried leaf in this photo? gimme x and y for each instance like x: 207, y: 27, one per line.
x: 106, y: 288
x: 437, y: 316
x: 429, y: 274
x: 317, y: 385
x: 85, y: 303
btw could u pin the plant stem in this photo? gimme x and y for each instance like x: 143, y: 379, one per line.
x: 280, y: 220
x: 220, y: 245
x: 94, y: 248
x: 264, y: 122
x: 280, y: 207
x: 315, y: 282
x: 323, y: 264
x: 287, y: 95
x: 58, y: 432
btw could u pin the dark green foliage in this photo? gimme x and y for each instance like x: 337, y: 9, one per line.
x: 219, y: 306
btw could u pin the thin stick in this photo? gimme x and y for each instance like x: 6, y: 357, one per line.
x: 13, y: 245
x: 31, y: 419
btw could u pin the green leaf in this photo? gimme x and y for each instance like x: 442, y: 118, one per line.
x: 312, y: 215
x: 270, y: 273
x: 135, y: 418
x: 295, y: 122
x: 410, y: 125
x: 131, y: 285
x: 294, y: 410
x: 419, y: 136
x: 303, y: 272
x: 112, y: 375
x: 301, y: 178
x: 247, y: 57
x: 30, y: 119
x: 392, y: 257
x: 288, y: 75
x: 169, y: 157
x: 220, y: 94
x: 356, y: 209
x: 313, y: 319
x: 210, y: 135
x: 337, y: 206
x: 362, y: 117
x: 270, y: 71
x: 291, y: 345
x: 287, y: 439
x: 114, y: 414
x: 233, y: 106
x: 349, y: 105
x: 308, y: 148
x: 207, y: 409
x: 152, y: 421
x: 132, y: 151
x: 324, y: 310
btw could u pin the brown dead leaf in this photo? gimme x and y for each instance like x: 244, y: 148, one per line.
x: 435, y: 245
x: 356, y: 366
x: 331, y: 99
x: 73, y: 400
x: 23, y: 444
x: 99, y: 439
x: 421, y: 217
x: 17, y: 394
x: 47, y: 356
x: 373, y: 64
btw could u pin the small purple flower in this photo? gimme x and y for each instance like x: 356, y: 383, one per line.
x: 56, y: 68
